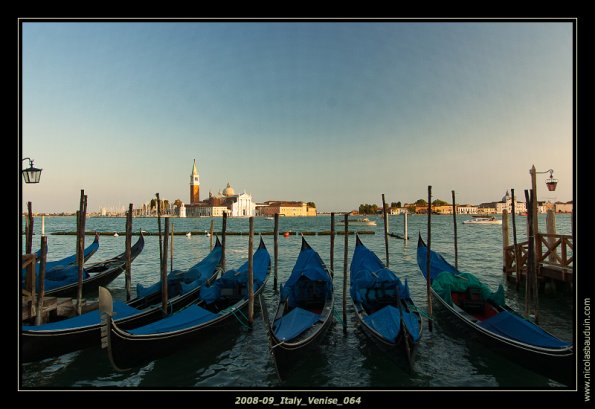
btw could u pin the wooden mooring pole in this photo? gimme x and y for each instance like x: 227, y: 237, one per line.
x: 346, y: 245
x: 164, y: 289
x: 211, y: 236
x: 81, y: 250
x: 275, y: 251
x: 250, y: 273
x: 223, y: 229
x: 428, y: 258
x: 332, y: 255
x: 161, y: 255
x: 514, y: 241
x: 29, y: 230
x: 385, y: 229
x: 505, y: 234
x: 405, y: 232
x: 171, y: 253
x: 128, y: 277
x: 550, y: 224
x: 42, y: 225
x: 42, y: 262
x: 454, y: 223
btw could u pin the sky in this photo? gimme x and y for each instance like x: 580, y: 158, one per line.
x: 337, y: 113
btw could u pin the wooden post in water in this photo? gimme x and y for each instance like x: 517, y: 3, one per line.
x: 454, y: 223
x: 42, y: 262
x: 42, y: 225
x: 346, y: 219
x: 275, y: 250
x: 332, y: 244
x: 405, y: 232
x: 428, y: 263
x: 159, y: 229
x: 514, y: 241
x: 128, y: 277
x: 250, y: 272
x: 29, y: 230
x: 81, y: 250
x: 550, y: 223
x: 505, y: 234
x: 385, y: 229
x: 211, y: 236
x: 223, y: 229
x: 171, y: 253
x: 529, y: 275
x: 164, y: 286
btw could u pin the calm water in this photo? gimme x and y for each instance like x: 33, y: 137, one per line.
x: 241, y: 358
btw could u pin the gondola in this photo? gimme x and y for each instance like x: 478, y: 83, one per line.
x: 53, y: 267
x: 94, y: 275
x: 222, y: 303
x: 484, y: 314
x: 383, y: 306
x: 304, y: 311
x: 57, y: 338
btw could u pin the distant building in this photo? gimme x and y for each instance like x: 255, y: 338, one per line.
x: 466, y: 209
x: 560, y: 207
x: 505, y: 203
x: 194, y: 185
x: 182, y: 211
x: 285, y: 208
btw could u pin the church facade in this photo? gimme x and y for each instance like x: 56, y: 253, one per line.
x: 225, y: 201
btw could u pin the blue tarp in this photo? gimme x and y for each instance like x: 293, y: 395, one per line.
x: 186, y: 318
x: 64, y: 275
x: 412, y: 325
x: 294, y: 323
x: 309, y: 266
x: 437, y: 263
x: 512, y: 326
x: 121, y: 310
x: 54, y: 267
x: 386, y: 321
x: 367, y: 271
x: 201, y: 271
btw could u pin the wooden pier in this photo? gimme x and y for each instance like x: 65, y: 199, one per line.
x: 554, y: 257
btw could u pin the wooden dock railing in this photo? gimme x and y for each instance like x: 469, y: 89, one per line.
x: 554, y: 256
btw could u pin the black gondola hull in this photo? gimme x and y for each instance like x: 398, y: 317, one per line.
x: 559, y: 365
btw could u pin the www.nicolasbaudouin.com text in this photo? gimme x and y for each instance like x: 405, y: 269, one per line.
x: 587, y: 348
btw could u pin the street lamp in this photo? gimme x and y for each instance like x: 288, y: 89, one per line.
x: 551, y: 186
x: 31, y: 174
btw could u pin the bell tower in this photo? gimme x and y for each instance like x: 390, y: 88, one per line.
x: 194, y: 185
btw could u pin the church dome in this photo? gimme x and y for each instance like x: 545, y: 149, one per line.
x: 228, y: 191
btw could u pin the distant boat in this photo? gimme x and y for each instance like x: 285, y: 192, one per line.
x: 188, y: 234
x: 269, y: 218
x: 116, y: 235
x: 359, y: 222
x: 483, y: 220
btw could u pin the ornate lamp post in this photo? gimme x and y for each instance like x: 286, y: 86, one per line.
x: 31, y: 174
x: 551, y: 186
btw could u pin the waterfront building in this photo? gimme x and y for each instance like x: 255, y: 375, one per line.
x: 560, y: 207
x: 466, y: 209
x: 285, y: 208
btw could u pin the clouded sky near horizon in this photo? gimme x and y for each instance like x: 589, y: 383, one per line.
x: 331, y: 112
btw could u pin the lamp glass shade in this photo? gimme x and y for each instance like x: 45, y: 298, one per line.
x: 31, y: 175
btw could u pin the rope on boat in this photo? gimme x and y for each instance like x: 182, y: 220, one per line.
x: 337, y: 316
x: 422, y: 312
x: 244, y: 324
x: 276, y: 345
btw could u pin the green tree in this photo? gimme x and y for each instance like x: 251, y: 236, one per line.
x: 421, y: 202
x: 311, y: 204
x: 439, y: 202
x: 395, y: 204
x: 411, y: 209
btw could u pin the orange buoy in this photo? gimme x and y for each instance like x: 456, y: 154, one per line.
x: 286, y: 234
